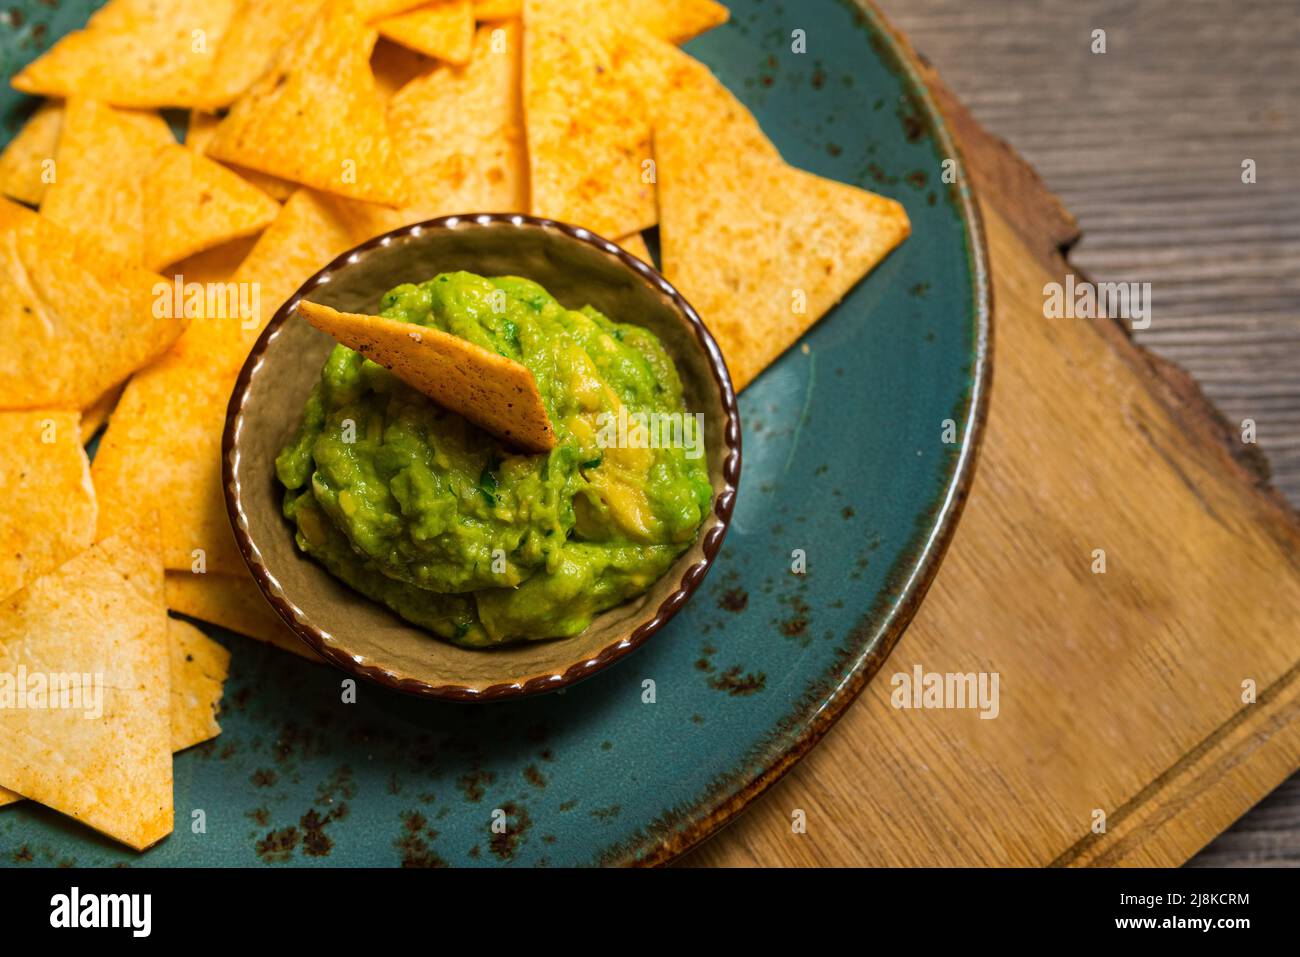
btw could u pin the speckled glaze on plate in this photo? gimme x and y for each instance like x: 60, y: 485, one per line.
x: 843, y: 460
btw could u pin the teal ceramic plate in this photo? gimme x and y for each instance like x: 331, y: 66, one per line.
x: 845, y: 465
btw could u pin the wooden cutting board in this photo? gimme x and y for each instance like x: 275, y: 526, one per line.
x: 1121, y: 692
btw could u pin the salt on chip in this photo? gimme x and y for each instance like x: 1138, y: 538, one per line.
x: 106, y: 760
x: 317, y: 117
x: 49, y: 512
x: 199, y: 667
x: 27, y: 163
x: 233, y: 602
x: 588, y: 83
x: 743, y: 234
x: 258, y: 29
x: 492, y: 391
x: 443, y: 29
x: 75, y: 319
x: 460, y: 139
x: 140, y: 53
x: 199, y: 131
x: 98, y: 191
x: 192, y: 203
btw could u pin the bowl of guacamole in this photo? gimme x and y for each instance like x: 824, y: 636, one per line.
x: 406, y: 544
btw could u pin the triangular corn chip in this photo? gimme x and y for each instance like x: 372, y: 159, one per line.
x: 761, y: 249
x: 588, y: 84
x: 199, y: 131
x: 233, y: 602
x: 27, y: 163
x: 316, y: 117
x: 443, y: 29
x: 98, y: 190
x: 198, y: 673
x: 257, y: 31
x: 162, y: 449
x: 497, y: 9
x: 143, y: 53
x: 75, y: 319
x: 495, y: 393
x: 192, y: 203
x: 98, y: 620
x: 460, y: 139
x: 198, y: 668
x: 49, y: 510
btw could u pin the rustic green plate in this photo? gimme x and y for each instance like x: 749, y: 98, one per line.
x: 845, y: 464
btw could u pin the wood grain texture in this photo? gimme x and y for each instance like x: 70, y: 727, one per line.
x: 1121, y: 692
x: 1150, y: 164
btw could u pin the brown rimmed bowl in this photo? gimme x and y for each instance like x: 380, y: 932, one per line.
x: 363, y: 637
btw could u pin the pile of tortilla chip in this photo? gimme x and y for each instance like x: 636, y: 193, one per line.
x: 138, y: 272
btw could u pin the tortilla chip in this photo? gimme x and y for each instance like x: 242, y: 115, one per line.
x: 49, y: 511
x: 461, y: 140
x: 495, y: 393
x: 162, y: 451
x: 316, y: 117
x: 635, y: 244
x: 233, y: 602
x: 747, y: 238
x: 192, y: 203
x: 75, y: 319
x: 98, y: 190
x: 141, y: 53
x: 27, y: 163
x: 443, y: 30
x: 497, y: 9
x: 102, y: 615
x: 257, y: 31
x: 97, y: 413
x: 673, y: 20
x: 199, y: 667
x: 199, y: 131
x: 588, y: 84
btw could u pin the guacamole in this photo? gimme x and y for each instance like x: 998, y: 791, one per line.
x: 421, y: 510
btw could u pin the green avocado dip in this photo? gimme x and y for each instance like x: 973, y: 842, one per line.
x: 419, y: 509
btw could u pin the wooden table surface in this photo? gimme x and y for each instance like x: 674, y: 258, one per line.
x: 1145, y: 144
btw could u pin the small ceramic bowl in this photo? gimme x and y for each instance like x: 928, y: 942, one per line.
x: 365, y: 638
